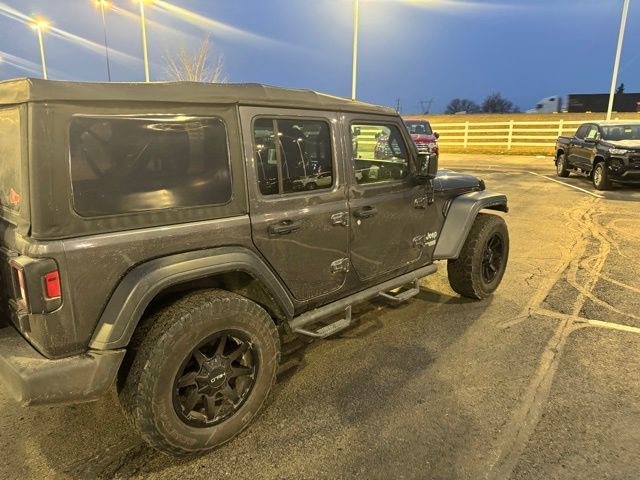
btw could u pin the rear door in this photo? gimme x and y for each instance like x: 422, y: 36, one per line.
x: 298, y: 197
x: 393, y: 223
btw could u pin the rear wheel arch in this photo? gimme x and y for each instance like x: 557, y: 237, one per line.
x: 158, y: 283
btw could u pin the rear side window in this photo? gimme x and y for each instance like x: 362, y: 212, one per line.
x: 133, y: 164
x: 292, y: 155
x: 10, y: 159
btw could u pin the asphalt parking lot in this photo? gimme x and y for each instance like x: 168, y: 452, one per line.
x: 538, y: 382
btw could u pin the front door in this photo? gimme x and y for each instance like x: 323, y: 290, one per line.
x: 298, y: 198
x: 392, y: 219
x: 588, y: 146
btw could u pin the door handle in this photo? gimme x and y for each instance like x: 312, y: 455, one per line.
x: 365, y: 212
x: 284, y: 227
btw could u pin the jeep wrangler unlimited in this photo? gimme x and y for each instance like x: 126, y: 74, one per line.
x: 158, y: 236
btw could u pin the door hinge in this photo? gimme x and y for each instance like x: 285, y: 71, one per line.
x: 340, y: 265
x: 340, y: 218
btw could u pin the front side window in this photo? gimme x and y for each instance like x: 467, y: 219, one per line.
x: 379, y: 153
x: 133, y: 164
x: 292, y: 155
x: 582, y: 131
x: 592, y: 133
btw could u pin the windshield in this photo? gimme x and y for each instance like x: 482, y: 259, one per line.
x: 621, y: 132
x: 419, y: 128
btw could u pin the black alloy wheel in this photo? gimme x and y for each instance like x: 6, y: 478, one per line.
x: 493, y: 258
x: 215, y: 379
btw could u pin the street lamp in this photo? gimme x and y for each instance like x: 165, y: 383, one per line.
x: 102, y: 5
x: 616, y: 63
x: 39, y: 26
x: 354, y: 73
x: 144, y: 38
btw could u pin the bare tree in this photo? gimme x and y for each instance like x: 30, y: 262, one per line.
x: 462, y: 105
x: 201, y: 65
x: 496, y: 103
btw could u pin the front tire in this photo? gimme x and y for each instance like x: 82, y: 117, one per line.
x: 478, y: 270
x: 561, y: 166
x: 200, y: 372
x: 600, y: 177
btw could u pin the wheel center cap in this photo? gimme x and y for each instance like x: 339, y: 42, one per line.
x: 217, y: 377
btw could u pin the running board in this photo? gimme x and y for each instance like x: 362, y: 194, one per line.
x: 330, y: 329
x: 299, y: 323
x: 401, y: 297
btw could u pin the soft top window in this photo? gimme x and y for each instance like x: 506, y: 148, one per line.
x: 10, y: 159
x: 132, y: 164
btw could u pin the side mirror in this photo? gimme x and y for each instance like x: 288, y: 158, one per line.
x: 356, y: 132
x: 590, y: 139
x: 436, y: 134
x: 427, y: 167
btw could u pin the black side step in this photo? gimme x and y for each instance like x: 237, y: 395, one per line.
x: 299, y: 323
x: 402, y: 296
x: 330, y: 329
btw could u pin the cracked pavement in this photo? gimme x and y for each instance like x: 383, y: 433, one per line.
x: 538, y: 382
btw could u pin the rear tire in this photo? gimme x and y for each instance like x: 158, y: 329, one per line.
x: 212, y: 347
x: 600, y: 177
x: 478, y: 270
x: 561, y: 166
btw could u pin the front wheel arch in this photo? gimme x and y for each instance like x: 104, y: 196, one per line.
x: 460, y: 217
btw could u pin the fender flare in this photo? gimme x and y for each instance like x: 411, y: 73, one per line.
x: 460, y: 217
x: 141, y: 285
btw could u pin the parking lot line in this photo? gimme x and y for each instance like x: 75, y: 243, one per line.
x: 584, y: 322
x: 597, y: 195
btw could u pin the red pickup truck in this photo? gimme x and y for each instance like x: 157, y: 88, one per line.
x: 423, y: 136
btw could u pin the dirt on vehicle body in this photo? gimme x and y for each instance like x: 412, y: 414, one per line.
x: 157, y: 235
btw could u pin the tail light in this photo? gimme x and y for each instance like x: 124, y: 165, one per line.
x: 21, y: 284
x: 52, y: 287
x: 37, y: 286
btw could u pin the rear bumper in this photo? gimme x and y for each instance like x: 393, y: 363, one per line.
x: 32, y: 379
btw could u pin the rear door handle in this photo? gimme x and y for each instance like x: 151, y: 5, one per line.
x: 365, y: 212
x: 284, y: 227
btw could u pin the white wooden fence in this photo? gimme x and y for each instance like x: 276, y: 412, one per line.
x: 505, y: 134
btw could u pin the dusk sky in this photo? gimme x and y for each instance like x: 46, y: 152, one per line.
x: 409, y: 49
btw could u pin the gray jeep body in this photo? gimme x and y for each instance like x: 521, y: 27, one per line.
x: 116, y: 268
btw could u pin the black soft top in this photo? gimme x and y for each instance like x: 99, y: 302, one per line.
x: 34, y: 90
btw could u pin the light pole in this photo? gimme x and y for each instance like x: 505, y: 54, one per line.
x: 103, y: 4
x: 356, y: 21
x: 144, y: 39
x: 616, y: 63
x: 39, y: 26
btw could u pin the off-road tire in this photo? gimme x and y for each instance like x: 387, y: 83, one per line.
x: 466, y: 272
x: 162, y: 346
x: 600, y: 177
x: 561, y: 166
